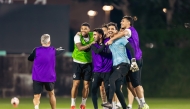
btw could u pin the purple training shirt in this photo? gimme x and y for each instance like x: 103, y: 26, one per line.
x: 44, y: 64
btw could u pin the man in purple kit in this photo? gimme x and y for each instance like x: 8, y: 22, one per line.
x: 102, y: 64
x: 43, y: 70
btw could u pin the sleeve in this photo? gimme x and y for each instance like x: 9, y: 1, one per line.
x: 131, y: 50
x: 128, y: 33
x: 77, y: 39
x: 97, y: 50
x: 32, y: 55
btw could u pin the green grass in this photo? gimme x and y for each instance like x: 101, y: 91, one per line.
x: 64, y: 103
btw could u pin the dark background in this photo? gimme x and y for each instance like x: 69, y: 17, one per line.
x: 21, y: 26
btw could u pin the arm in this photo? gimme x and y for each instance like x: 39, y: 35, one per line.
x: 126, y: 32
x: 32, y: 55
x: 134, y: 67
x: 81, y: 47
x: 59, y: 50
x: 98, y: 50
x: 131, y: 50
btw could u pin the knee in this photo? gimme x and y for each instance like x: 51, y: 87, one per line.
x: 75, y: 84
x: 37, y: 96
x: 86, y: 85
x: 51, y: 93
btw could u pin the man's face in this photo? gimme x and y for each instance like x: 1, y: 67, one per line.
x: 105, y: 30
x: 111, y: 30
x: 124, y: 23
x: 84, y: 30
x: 96, y: 36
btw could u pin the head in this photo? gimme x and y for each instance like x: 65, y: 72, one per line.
x: 85, y: 28
x: 45, y: 40
x: 105, y: 29
x: 112, y: 28
x: 98, y: 34
x: 127, y: 21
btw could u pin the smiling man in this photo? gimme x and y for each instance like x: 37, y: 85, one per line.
x: 82, y: 64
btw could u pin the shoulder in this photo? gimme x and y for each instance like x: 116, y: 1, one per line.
x: 77, y: 39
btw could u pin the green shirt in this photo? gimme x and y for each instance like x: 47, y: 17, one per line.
x: 83, y: 56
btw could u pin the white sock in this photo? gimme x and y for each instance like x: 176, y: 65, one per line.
x: 114, y: 104
x: 73, y: 100
x: 36, y: 107
x: 84, y: 101
x: 129, y: 105
x: 119, y: 104
x: 137, y: 99
x: 142, y: 100
x: 104, y: 102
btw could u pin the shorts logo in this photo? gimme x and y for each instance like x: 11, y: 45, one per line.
x: 74, y: 76
x: 118, y: 67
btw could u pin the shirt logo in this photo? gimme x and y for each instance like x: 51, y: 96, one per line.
x: 74, y: 76
x: 92, y: 79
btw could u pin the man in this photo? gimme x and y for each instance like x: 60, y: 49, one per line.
x: 121, y: 64
x: 43, y: 70
x: 82, y: 64
x: 102, y: 87
x: 134, y: 77
x: 102, y: 64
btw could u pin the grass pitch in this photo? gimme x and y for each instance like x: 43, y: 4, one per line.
x: 64, y: 103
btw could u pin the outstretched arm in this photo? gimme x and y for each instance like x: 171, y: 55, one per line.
x: 32, y: 55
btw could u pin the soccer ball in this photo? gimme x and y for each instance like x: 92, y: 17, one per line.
x: 15, y: 101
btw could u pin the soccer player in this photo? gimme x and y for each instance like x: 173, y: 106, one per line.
x: 102, y: 64
x: 133, y: 78
x: 82, y: 64
x: 43, y: 70
x: 102, y: 88
x: 121, y: 64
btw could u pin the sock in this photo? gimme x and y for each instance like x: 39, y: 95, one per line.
x: 137, y: 99
x: 142, y: 100
x: 73, y: 100
x: 114, y: 104
x: 36, y: 107
x: 119, y: 104
x: 129, y: 105
x: 84, y: 101
x: 104, y: 102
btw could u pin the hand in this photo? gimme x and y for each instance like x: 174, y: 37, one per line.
x: 78, y: 33
x: 60, y: 48
x: 109, y: 42
x: 134, y: 67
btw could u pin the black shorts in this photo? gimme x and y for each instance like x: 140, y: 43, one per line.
x: 38, y: 86
x: 135, y: 75
x: 82, y: 71
x: 98, y: 78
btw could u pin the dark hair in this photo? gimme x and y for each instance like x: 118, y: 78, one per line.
x: 85, y: 24
x: 99, y: 30
x: 112, y: 24
x: 105, y: 26
x: 130, y: 19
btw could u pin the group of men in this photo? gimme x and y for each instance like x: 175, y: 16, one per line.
x: 106, y: 58
x: 109, y: 56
